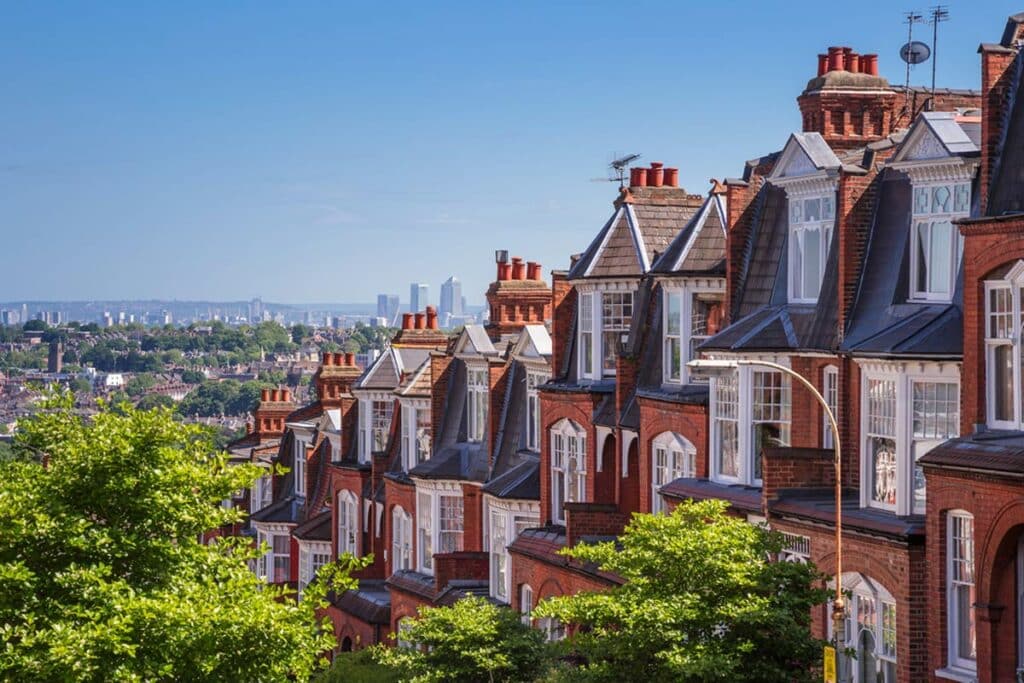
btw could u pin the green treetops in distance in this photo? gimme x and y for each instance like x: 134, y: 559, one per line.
x: 103, y: 572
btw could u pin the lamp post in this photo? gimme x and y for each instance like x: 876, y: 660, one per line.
x: 718, y: 368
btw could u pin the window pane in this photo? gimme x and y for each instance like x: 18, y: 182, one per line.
x: 674, y: 313
x: 883, y: 470
x: 797, y: 267
x: 1001, y: 376
x: 812, y: 264
x: 922, y: 257
x: 673, y: 358
x: 812, y: 210
x: 940, y: 257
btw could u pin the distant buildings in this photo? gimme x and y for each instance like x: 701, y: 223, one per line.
x: 387, y: 308
x: 451, y: 301
x: 419, y: 296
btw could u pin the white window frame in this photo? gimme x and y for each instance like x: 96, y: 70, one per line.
x: 262, y: 493
x: 568, y: 441
x: 1010, y: 332
x: 683, y: 296
x: 592, y: 325
x: 799, y: 227
x: 830, y: 391
x: 532, y: 433
x: 348, y: 523
x: 904, y: 376
x: 960, y: 573
x: 477, y: 397
x: 401, y: 539
x: 672, y: 457
x: 368, y: 429
x: 415, y: 449
x: 745, y: 415
x: 312, y: 556
x: 266, y: 564
x: 882, y: 623
x: 526, y: 604
x: 430, y: 496
x: 931, y: 218
x: 505, y: 520
x: 299, y: 466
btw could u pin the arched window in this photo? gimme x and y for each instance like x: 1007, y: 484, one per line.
x: 348, y: 523
x: 568, y: 467
x: 672, y: 457
x: 404, y: 624
x: 830, y: 390
x: 870, y: 631
x: 401, y: 539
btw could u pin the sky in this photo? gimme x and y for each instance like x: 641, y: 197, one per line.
x: 327, y: 151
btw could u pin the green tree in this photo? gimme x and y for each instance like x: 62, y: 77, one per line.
x: 701, y: 602
x: 473, y: 640
x: 81, y: 386
x: 103, y: 573
x: 192, y: 377
x: 35, y: 326
x: 139, y: 384
x: 151, y: 401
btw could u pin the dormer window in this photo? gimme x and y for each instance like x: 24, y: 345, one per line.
x: 810, y: 234
x: 690, y: 317
x: 374, y: 425
x: 416, y: 433
x: 532, y: 431
x: 935, y: 241
x: 750, y: 411
x: 299, y: 468
x: 604, y: 321
x: 476, y: 403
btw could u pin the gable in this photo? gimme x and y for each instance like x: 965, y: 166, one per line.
x: 383, y: 374
x: 474, y: 340
x: 534, y: 343
x: 926, y: 146
x: 621, y: 252
x: 705, y: 249
x: 804, y: 154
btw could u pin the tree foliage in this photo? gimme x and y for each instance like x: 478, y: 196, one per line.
x: 103, y: 575
x: 701, y: 602
x: 229, y: 397
x: 473, y: 640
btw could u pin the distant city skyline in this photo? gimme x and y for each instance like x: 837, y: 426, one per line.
x: 196, y: 150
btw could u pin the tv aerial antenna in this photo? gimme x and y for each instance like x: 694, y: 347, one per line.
x: 940, y: 13
x: 617, y: 169
x: 913, y: 52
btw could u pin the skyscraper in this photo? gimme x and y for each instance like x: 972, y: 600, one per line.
x: 418, y: 296
x: 451, y: 300
x: 387, y: 308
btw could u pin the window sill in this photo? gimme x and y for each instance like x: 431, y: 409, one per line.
x: 959, y: 675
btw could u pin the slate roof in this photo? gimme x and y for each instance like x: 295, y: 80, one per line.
x: 1006, y: 195
x: 819, y: 506
x: 316, y: 528
x: 282, y: 511
x: 645, y: 222
x: 699, y: 248
x: 992, y: 451
x: 518, y: 482
x: 385, y: 373
x: 371, y: 602
x: 418, y: 383
x: 460, y: 461
x: 882, y: 322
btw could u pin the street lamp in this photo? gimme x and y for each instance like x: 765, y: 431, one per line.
x: 719, y: 368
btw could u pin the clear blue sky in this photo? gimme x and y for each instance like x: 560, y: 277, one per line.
x: 326, y: 152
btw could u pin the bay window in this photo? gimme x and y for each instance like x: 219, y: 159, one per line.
x: 262, y: 493
x: 960, y: 591
x: 1003, y: 349
x: 568, y: 467
x: 416, y: 433
x: 476, y: 402
x: 605, y: 317
x: 673, y: 456
x: 312, y: 556
x: 759, y: 400
x: 505, y: 521
x: 689, y: 319
x: 348, y: 523
x: 906, y: 411
x: 401, y: 539
x: 439, y: 523
x: 810, y: 234
x: 374, y: 425
x: 526, y: 604
x: 281, y: 560
x: 935, y: 241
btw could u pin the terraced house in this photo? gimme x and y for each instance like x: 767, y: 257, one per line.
x: 878, y: 253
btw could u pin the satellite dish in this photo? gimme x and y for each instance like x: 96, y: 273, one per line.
x: 915, y: 52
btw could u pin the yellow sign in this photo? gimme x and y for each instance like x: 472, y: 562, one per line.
x: 830, y: 664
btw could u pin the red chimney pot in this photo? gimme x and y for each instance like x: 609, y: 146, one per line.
x: 835, y: 59
x: 853, y: 62
x: 286, y: 395
x: 518, y: 268
x: 421, y: 321
x: 328, y: 358
x: 265, y: 394
x: 275, y: 395
x: 656, y: 176
x: 407, y: 321
x: 672, y: 177
x: 537, y: 274
x: 339, y: 359
x: 637, y: 177
x: 350, y: 359
x: 431, y: 318
x: 869, y: 64
x: 822, y: 65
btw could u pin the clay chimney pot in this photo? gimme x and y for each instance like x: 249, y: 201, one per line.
x: 407, y: 321
x: 518, y: 268
x: 339, y: 359
x: 672, y: 177
x: 853, y: 62
x: 265, y: 394
x: 275, y: 395
x: 822, y: 65
x: 350, y: 360
x: 835, y: 59
x: 637, y: 177
x: 421, y: 321
x: 286, y: 395
x: 656, y: 176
